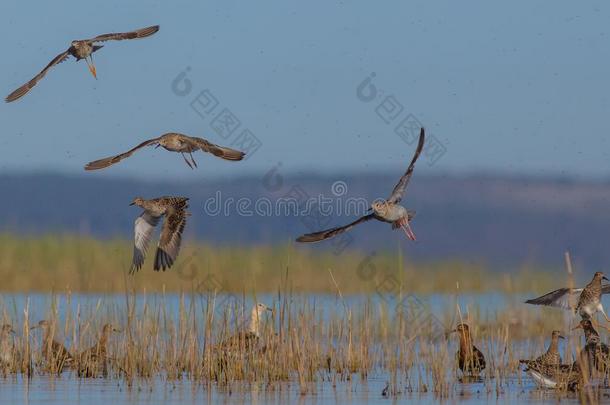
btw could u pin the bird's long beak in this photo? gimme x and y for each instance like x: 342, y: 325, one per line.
x: 605, y: 278
x: 33, y: 327
x: 269, y: 309
x: 579, y: 326
x: 133, y: 203
x: 561, y: 336
x: 117, y: 330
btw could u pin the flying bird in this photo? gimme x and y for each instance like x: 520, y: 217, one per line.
x: 174, y: 210
x: 81, y: 49
x: 595, y: 354
x: 388, y: 210
x: 585, y: 301
x: 173, y: 142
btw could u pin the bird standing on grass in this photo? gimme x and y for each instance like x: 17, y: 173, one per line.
x: 174, y: 210
x: 389, y: 210
x: 81, y: 49
x: 173, y: 142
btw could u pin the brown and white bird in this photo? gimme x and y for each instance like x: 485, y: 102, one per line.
x: 173, y: 142
x: 81, y: 49
x: 92, y: 361
x: 174, y: 210
x: 53, y: 352
x: 7, y: 347
x: 559, y: 376
x: 595, y: 355
x: 550, y: 358
x: 585, y: 301
x: 249, y: 339
x: 470, y: 359
x: 389, y: 210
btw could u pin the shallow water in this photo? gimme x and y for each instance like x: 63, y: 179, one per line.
x: 70, y: 389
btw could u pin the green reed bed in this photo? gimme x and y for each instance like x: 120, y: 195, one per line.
x: 82, y: 264
x: 300, y: 343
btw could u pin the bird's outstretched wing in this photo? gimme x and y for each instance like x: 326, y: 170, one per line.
x: 119, y: 36
x: 399, y: 190
x: 329, y: 233
x: 144, y: 226
x: 23, y: 90
x: 171, y: 237
x: 566, y: 298
x: 220, y: 151
x: 105, y: 162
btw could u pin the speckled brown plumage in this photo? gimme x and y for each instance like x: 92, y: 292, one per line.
x: 92, y: 361
x: 585, y: 301
x: 174, y: 210
x: 551, y: 357
x: 595, y: 355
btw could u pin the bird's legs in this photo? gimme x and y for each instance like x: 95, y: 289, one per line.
x: 192, y: 160
x: 186, y: 160
x: 91, y: 66
x: 404, y: 225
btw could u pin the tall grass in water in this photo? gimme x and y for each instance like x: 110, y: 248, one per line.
x: 300, y: 342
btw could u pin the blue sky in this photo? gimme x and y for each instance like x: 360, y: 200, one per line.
x: 520, y: 87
